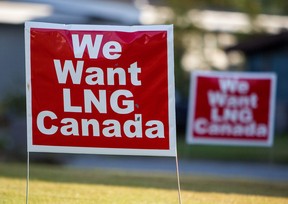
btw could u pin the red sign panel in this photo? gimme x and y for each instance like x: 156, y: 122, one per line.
x: 100, y: 89
x: 231, y: 108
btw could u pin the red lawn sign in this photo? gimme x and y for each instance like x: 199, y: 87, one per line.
x: 100, y: 89
x: 231, y: 108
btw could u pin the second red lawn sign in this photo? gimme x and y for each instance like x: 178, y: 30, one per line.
x: 231, y: 108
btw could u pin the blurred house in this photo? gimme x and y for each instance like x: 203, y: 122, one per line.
x: 270, y: 53
x: 13, y: 14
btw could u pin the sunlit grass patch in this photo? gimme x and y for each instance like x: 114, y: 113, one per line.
x: 60, y: 185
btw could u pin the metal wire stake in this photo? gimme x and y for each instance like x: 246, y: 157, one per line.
x: 27, y: 178
x: 178, y: 180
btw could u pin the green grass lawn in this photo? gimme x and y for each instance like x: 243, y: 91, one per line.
x: 278, y: 153
x: 61, y: 185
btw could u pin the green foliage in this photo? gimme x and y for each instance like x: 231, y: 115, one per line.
x: 276, y: 154
x: 15, y: 104
x: 277, y: 7
x: 183, y: 27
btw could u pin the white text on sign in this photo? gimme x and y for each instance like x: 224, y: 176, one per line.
x: 98, y: 101
x: 231, y: 111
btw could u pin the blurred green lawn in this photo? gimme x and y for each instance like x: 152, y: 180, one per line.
x: 276, y: 154
x: 62, y: 185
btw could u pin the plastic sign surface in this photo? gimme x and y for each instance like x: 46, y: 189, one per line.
x: 231, y: 108
x: 100, y: 89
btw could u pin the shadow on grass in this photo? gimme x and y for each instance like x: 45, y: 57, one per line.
x: 60, y: 174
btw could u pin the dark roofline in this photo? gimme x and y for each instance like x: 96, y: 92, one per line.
x: 263, y: 42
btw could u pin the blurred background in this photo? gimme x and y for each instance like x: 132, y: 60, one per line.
x: 223, y: 35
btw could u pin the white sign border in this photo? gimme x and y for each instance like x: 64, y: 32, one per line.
x: 171, y: 152
x: 190, y: 139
